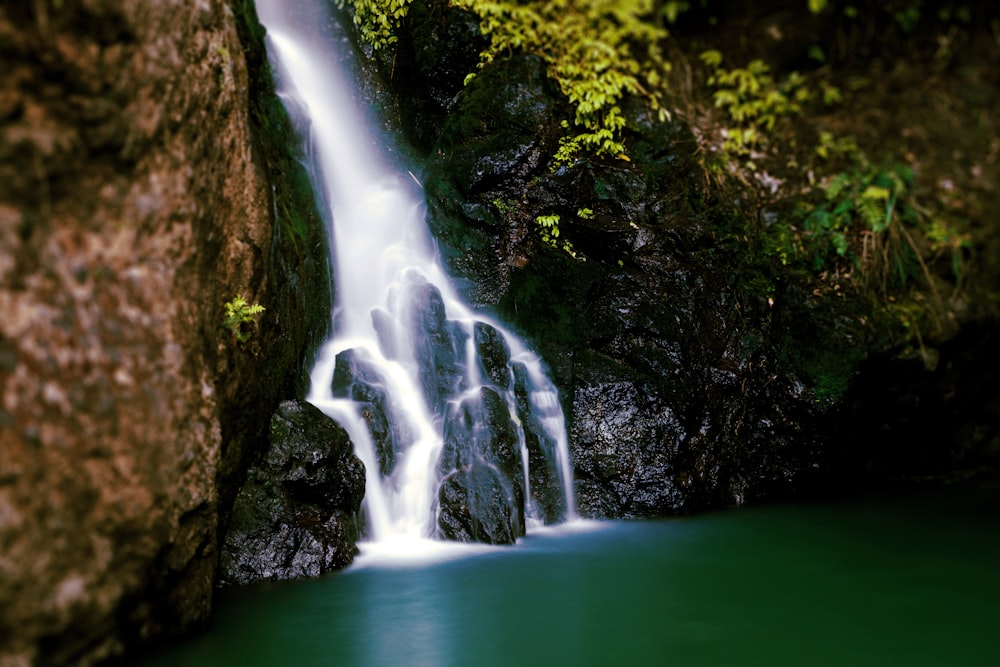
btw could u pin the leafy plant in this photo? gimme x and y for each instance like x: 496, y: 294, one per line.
x: 241, y: 317
x: 754, y: 101
x: 830, y: 146
x: 548, y: 229
x: 870, y: 221
x: 377, y: 20
x: 597, y: 51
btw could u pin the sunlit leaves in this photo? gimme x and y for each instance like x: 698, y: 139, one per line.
x: 548, y: 229
x: 597, y: 51
x: 817, y: 6
x: 241, y: 317
x: 752, y: 99
x: 378, y: 20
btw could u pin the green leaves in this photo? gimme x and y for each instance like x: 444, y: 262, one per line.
x: 753, y: 100
x: 378, y: 19
x: 548, y: 229
x: 712, y: 59
x: 817, y: 6
x: 869, y: 221
x: 597, y: 51
x: 241, y: 317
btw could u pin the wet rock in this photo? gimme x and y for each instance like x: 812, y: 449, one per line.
x: 481, y: 497
x: 438, y: 344
x: 669, y: 363
x: 296, y: 514
x: 360, y: 381
x: 547, y: 496
x: 445, y: 44
x: 494, y: 353
x: 479, y: 428
x: 480, y: 504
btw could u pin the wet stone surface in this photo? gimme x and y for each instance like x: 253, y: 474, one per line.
x: 296, y: 515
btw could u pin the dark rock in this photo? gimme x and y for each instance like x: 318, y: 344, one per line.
x: 494, y: 353
x: 624, y: 437
x: 671, y: 364
x: 479, y: 429
x: 296, y: 514
x: 438, y: 344
x: 359, y: 380
x: 445, y: 44
x: 481, y: 497
x: 547, y: 496
x: 480, y: 504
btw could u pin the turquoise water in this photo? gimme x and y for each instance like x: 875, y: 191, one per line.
x: 905, y: 581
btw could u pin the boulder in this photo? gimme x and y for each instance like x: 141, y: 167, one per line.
x: 296, y: 515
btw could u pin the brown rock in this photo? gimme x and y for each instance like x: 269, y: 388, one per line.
x: 132, y: 207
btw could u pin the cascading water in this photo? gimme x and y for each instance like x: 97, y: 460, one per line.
x: 461, y: 432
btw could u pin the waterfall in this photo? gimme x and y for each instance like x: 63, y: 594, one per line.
x: 460, y: 430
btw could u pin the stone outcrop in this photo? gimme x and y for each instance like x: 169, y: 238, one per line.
x: 134, y: 203
x: 693, y: 373
x: 296, y: 514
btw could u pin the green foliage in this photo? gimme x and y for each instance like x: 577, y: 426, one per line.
x: 830, y: 146
x: 506, y: 207
x: 859, y: 204
x: 377, y: 20
x: 597, y: 51
x: 548, y: 229
x: 674, y: 8
x: 817, y: 6
x: 870, y: 222
x: 755, y: 101
x: 241, y: 317
x: 905, y: 14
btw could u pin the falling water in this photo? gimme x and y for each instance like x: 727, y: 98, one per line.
x: 461, y: 432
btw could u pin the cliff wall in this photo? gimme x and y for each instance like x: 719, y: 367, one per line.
x: 134, y: 203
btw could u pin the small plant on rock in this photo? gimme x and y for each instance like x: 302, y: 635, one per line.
x: 241, y: 317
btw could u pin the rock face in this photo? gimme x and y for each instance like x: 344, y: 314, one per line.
x: 295, y: 516
x: 133, y: 205
x: 669, y: 366
x: 691, y: 375
x: 481, y: 497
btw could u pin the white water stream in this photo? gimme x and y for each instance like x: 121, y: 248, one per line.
x: 382, y: 253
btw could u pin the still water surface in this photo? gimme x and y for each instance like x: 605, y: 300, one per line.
x: 901, y: 581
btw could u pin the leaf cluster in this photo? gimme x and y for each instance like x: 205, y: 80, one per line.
x: 241, y: 317
x: 869, y: 221
x: 378, y: 20
x: 597, y: 51
x: 548, y: 230
x: 754, y: 100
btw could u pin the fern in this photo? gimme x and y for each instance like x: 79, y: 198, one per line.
x: 597, y: 51
x: 755, y: 101
x: 378, y: 20
x: 872, y: 213
x: 241, y: 317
